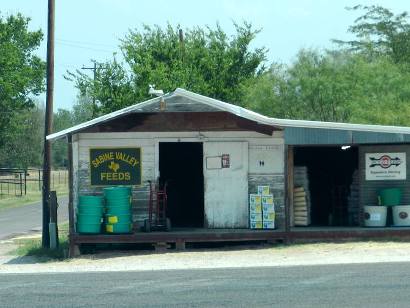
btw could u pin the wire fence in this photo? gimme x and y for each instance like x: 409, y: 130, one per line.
x: 19, y: 182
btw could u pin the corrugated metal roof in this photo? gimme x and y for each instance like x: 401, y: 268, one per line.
x: 238, y: 111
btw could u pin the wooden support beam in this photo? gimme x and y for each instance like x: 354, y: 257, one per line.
x: 161, y: 246
x: 289, y: 188
x: 180, y: 245
x: 73, y: 248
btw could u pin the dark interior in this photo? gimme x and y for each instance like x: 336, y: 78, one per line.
x: 181, y: 166
x: 330, y: 175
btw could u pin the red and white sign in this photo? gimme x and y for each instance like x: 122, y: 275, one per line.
x: 385, y: 166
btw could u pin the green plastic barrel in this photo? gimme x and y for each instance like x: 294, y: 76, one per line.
x: 89, y: 210
x: 116, y: 192
x: 390, y: 196
x: 91, y: 200
x: 89, y: 228
x: 90, y: 204
x: 121, y: 198
x: 118, y: 228
x: 119, y: 210
x: 118, y: 219
x: 117, y: 202
x: 89, y: 213
x: 88, y: 219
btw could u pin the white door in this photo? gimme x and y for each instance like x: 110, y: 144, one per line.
x: 226, y: 184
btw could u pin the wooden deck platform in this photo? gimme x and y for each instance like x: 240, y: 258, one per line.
x: 219, y: 235
x: 182, y: 235
x: 336, y: 233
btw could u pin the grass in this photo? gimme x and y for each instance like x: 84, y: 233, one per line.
x: 33, y: 247
x: 33, y: 194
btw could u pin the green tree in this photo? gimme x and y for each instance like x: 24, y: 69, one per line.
x: 62, y: 119
x: 334, y: 86
x: 315, y: 87
x: 380, y: 32
x: 21, y: 72
x: 382, y: 94
x: 208, y: 62
x: 23, y: 146
x: 82, y: 109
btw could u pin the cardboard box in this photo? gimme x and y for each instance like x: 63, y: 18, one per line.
x: 267, y: 199
x: 255, y: 217
x: 256, y: 225
x: 263, y: 190
x: 268, y: 216
x: 268, y: 208
x: 268, y: 225
x: 255, y: 199
x: 255, y: 209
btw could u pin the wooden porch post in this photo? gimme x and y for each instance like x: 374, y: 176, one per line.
x: 289, y: 189
x: 73, y: 249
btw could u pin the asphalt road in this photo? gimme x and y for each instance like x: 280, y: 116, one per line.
x: 25, y: 219
x: 360, y: 285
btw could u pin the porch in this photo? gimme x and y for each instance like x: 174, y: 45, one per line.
x: 181, y: 236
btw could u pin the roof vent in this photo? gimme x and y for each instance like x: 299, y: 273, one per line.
x: 152, y: 91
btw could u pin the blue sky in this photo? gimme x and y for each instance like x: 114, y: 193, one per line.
x: 91, y: 29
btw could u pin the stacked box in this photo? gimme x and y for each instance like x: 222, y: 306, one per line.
x: 255, y: 211
x: 263, y: 190
x: 256, y: 225
x: 268, y: 212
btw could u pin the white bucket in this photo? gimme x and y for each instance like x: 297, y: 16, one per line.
x: 375, y: 216
x: 401, y: 215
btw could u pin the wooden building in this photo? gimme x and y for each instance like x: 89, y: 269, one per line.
x: 213, y: 155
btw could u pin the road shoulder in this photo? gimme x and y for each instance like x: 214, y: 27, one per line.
x: 230, y: 257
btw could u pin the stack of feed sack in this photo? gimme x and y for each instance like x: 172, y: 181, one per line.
x: 301, y: 179
x: 268, y: 212
x: 255, y: 211
x: 118, y: 217
x: 301, y: 196
x: 301, y: 210
x: 89, y: 214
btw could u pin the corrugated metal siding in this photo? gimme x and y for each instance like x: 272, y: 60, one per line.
x: 300, y: 136
x: 319, y: 136
x: 369, y: 189
x: 406, y: 138
x: 180, y: 104
x: 369, y: 137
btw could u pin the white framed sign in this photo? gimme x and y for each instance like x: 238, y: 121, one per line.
x: 385, y: 166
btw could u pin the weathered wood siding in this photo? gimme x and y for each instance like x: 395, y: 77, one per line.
x: 266, y: 161
x: 369, y: 189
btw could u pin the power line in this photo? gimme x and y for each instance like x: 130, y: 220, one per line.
x: 85, y: 43
x: 94, y: 69
x: 84, y: 47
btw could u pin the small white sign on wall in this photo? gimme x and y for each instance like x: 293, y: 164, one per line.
x: 385, y: 166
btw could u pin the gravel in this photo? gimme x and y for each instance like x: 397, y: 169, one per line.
x: 230, y: 257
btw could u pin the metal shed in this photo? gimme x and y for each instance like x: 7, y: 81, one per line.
x: 196, y: 132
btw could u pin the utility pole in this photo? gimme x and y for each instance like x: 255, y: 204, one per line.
x: 182, y: 44
x: 48, y: 123
x: 94, y: 69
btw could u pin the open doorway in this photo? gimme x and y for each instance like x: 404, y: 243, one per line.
x: 181, y: 166
x: 332, y: 183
